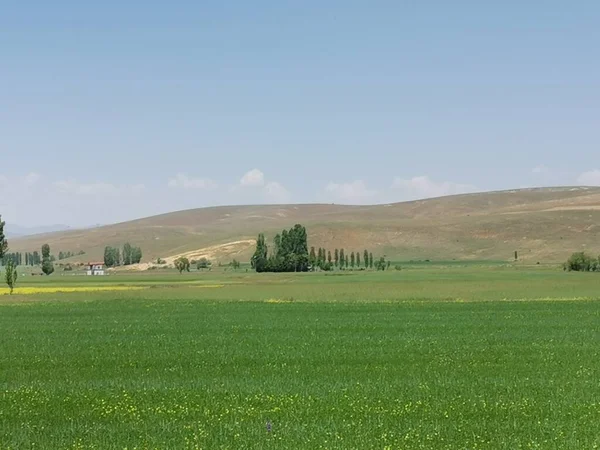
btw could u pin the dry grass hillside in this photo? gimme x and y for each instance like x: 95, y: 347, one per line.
x: 545, y: 224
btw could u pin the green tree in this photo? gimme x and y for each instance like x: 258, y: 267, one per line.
x: 235, y: 264
x: 381, y: 264
x: 127, y: 254
x: 290, y: 252
x: 366, y: 259
x: 342, y: 259
x: 10, y: 275
x: 336, y: 257
x: 352, y: 260
x: 136, y: 255
x: 581, y: 262
x: 329, y: 257
x: 182, y: 264
x: 371, y: 260
x: 347, y: 261
x: 109, y: 257
x: 312, y: 258
x: 259, y: 259
x: 47, y: 265
x: 358, y: 260
x: 3, y: 241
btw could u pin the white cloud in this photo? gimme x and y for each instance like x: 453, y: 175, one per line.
x: 353, y: 192
x: 423, y: 187
x: 253, y: 178
x: 20, y: 182
x: 590, y: 178
x: 31, y: 178
x: 541, y: 169
x: 276, y: 193
x: 183, y: 181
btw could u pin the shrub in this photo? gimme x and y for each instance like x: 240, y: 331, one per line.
x: 202, y: 263
x: 580, y: 262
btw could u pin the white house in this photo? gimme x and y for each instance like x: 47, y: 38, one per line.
x: 95, y: 268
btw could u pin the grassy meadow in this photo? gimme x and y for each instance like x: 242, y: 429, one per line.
x: 456, y: 356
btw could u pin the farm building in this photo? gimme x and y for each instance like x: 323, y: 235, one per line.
x: 95, y: 268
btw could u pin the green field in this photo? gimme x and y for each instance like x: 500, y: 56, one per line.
x: 433, y: 356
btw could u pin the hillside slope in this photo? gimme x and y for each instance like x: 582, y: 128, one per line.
x: 545, y: 224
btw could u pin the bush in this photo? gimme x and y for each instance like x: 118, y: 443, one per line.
x: 398, y: 267
x: 580, y: 262
x: 202, y: 263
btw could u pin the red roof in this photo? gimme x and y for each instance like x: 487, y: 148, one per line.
x: 95, y: 263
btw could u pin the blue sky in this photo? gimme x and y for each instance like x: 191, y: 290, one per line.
x: 115, y: 110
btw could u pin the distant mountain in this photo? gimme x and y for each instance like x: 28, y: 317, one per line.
x: 13, y: 230
x: 545, y: 224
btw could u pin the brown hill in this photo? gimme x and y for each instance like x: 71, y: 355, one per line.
x: 544, y: 224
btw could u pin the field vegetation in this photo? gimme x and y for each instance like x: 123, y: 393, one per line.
x: 437, y: 355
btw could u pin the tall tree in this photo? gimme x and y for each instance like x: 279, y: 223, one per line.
x: 10, y: 276
x: 371, y: 260
x: 342, y: 259
x: 347, y: 261
x: 358, y: 260
x: 352, y: 260
x: 47, y: 266
x: 336, y: 257
x: 109, y: 257
x: 127, y: 254
x: 329, y: 257
x: 259, y: 259
x: 3, y: 241
x: 366, y: 259
x: 312, y: 258
x: 136, y: 255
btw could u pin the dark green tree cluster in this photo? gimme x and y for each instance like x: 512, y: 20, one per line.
x: 581, y: 262
x: 15, y: 258
x: 65, y: 255
x: 130, y: 255
x: 33, y: 259
x: 112, y: 256
x: 290, y: 252
x: 47, y: 264
x: 343, y: 260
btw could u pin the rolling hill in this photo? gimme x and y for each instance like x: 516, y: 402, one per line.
x: 543, y: 224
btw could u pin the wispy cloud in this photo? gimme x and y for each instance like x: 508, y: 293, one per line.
x: 350, y: 192
x: 183, y: 181
x: 253, y: 178
x: 590, y: 178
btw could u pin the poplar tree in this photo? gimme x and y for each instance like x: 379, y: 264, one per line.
x: 3, y: 241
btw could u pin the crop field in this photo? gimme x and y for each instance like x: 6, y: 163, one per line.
x: 434, y: 356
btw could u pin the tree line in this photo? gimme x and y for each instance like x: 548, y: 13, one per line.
x: 290, y: 254
x: 113, y: 256
x: 582, y: 262
x: 10, y: 260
